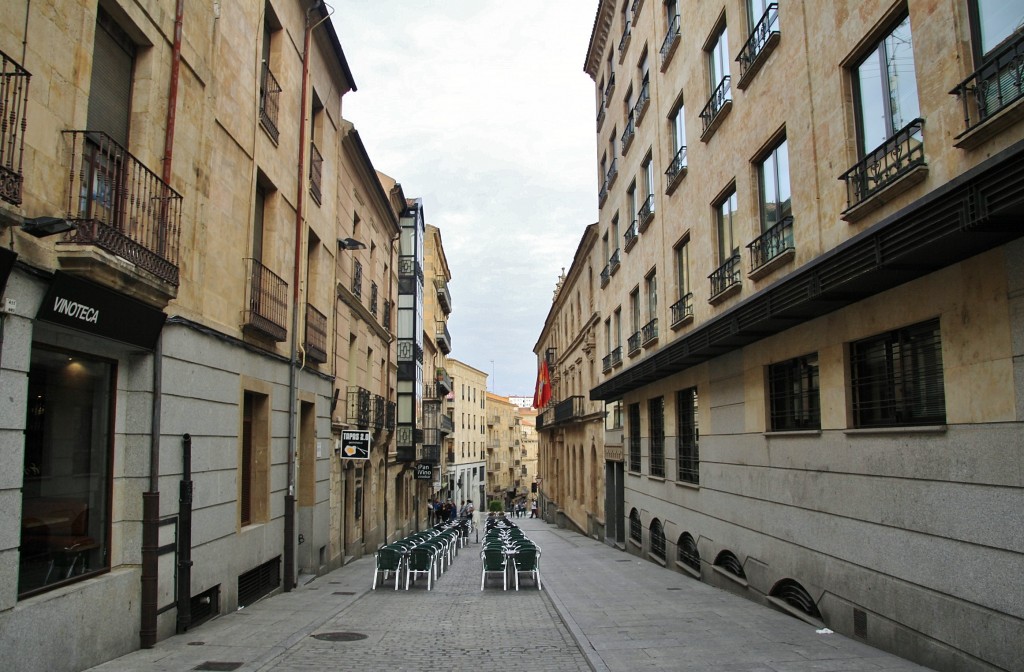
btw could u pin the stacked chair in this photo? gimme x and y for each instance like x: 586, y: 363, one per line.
x: 422, y: 554
x: 507, y: 549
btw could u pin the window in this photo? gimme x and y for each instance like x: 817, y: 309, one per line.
x: 776, y: 196
x: 270, y: 90
x: 683, y: 307
x: 688, y: 439
x: 793, y: 392
x: 633, y: 343
x: 657, y: 540
x: 613, y: 415
x: 656, y: 418
x: 688, y: 553
x: 725, y: 214
x: 647, y: 208
x: 634, y: 437
x: 636, y: 530
x: 253, y: 472
x: 897, y: 378
x: 992, y: 22
x: 651, y: 284
x: 718, y: 58
x: 885, y: 88
x: 677, y: 130
x: 718, y: 75
x: 67, y: 482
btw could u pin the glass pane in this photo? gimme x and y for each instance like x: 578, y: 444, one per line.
x: 874, y: 126
x: 899, y: 55
x: 769, y: 194
x: 998, y: 19
x: 679, y: 130
x: 785, y: 193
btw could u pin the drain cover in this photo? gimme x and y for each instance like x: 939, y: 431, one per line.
x: 196, y: 643
x: 343, y: 592
x: 340, y: 636
x: 215, y: 666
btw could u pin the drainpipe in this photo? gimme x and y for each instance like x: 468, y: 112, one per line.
x: 151, y: 500
x: 300, y: 202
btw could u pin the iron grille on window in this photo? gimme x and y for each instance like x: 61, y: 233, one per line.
x: 634, y: 437
x: 316, y: 163
x: 793, y: 387
x: 677, y: 167
x: 687, y: 443
x: 316, y: 335
x: 767, y: 27
x: 390, y: 412
x: 633, y: 343
x: 373, y: 299
x: 897, y: 378
x: 682, y: 309
x: 359, y: 406
x: 357, y: 279
x: 716, y: 103
x: 386, y: 317
x: 649, y: 332
x: 266, y: 301
x: 13, y: 109
x: 688, y: 553
x: 378, y: 412
x: 636, y: 530
x: 657, y: 540
x: 270, y: 91
x: 771, y: 243
x: 668, y: 45
x: 728, y: 561
x: 656, y: 419
x: 725, y: 276
x: 891, y: 160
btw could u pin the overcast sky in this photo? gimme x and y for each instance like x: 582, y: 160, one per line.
x: 482, y: 109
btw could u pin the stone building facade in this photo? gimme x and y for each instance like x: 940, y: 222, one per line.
x: 816, y: 338
x: 464, y: 475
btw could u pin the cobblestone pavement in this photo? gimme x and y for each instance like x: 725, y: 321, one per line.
x: 600, y: 610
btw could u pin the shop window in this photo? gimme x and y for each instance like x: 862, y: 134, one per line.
x: 65, y: 513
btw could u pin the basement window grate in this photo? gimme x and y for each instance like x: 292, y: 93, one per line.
x: 204, y: 606
x: 796, y: 596
x: 728, y: 561
x: 259, y: 581
x: 688, y: 553
x: 860, y: 623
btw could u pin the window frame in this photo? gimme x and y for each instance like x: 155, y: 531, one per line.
x: 794, y: 394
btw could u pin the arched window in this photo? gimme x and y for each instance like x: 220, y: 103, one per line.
x: 728, y: 561
x: 688, y: 553
x: 636, y: 530
x: 796, y: 596
x: 657, y: 540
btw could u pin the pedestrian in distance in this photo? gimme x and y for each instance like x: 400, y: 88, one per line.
x: 533, y: 509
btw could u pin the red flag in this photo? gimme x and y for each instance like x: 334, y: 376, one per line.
x: 542, y: 391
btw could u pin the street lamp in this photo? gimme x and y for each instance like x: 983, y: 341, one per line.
x: 350, y: 244
x: 41, y: 227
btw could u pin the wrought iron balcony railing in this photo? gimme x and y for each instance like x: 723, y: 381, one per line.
x: 649, y: 332
x: 606, y: 363
x: 373, y: 299
x: 359, y: 403
x: 600, y: 115
x: 631, y: 235
x: 896, y: 157
x: 444, y: 338
x: 669, y: 44
x: 316, y: 335
x: 446, y: 424
x: 444, y: 381
x: 613, y: 262
x: 386, y: 317
x: 609, y: 90
x: 633, y: 343
x: 716, y: 104
x: 431, y: 454
x: 725, y: 276
x: 643, y: 101
x: 682, y: 309
x: 993, y: 86
x: 378, y: 412
x: 765, y: 32
x: 316, y: 165
x: 546, y: 419
x: 270, y: 92
x: 13, y: 125
x: 606, y: 275
x: 390, y: 415
x: 569, y: 409
x: 624, y: 40
x: 121, y: 206
x: 266, y: 301
x: 645, y: 214
x: 444, y: 299
x: 357, y: 279
x: 635, y: 9
x: 616, y: 355
x: 676, y: 169
x: 628, y: 133
x: 771, y: 243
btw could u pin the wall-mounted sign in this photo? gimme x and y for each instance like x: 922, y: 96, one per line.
x: 424, y: 472
x: 355, y: 444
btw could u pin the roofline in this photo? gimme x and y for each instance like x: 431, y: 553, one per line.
x: 332, y: 35
x: 589, y: 234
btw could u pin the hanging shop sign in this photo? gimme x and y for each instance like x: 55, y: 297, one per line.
x: 355, y: 444
x: 424, y: 471
x: 85, y: 306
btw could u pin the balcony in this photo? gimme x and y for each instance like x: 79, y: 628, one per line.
x: 898, y: 161
x: 13, y: 125
x: 357, y: 279
x: 431, y: 454
x: 409, y: 266
x: 616, y: 356
x: 444, y: 298
x: 646, y: 213
x: 445, y: 424
x: 358, y: 406
x: 669, y: 44
x: 772, y: 248
x: 390, y: 414
x: 628, y: 134
x: 600, y: 116
x: 614, y: 263
x: 624, y: 40
x: 725, y: 281
x: 676, y: 171
x: 316, y: 167
x: 635, y: 9
x: 266, y: 300
x: 606, y: 275
x: 642, y: 103
x: 762, y: 41
x: 119, y: 207
x: 682, y: 311
x: 631, y: 235
x: 633, y: 344
x: 569, y: 409
x: 716, y: 109
x: 373, y: 298
x: 609, y: 90
x: 377, y: 412
x: 444, y: 338
x: 444, y: 381
x: 551, y: 357
x: 546, y: 418
x: 606, y: 363
x: 990, y: 94
x: 270, y: 92
x: 386, y: 316
x: 315, y: 344
x: 649, y: 333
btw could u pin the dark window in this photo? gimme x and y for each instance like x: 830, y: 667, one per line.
x: 897, y: 378
x: 687, y: 450
x: 657, y: 540
x: 688, y: 553
x: 634, y: 437
x: 656, y: 417
x: 636, y: 530
x: 793, y: 389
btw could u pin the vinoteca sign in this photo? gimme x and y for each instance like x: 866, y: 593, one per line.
x: 85, y: 306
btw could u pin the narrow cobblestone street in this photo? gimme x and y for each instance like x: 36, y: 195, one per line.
x: 600, y: 609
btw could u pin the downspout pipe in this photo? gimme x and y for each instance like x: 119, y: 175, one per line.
x: 151, y: 500
x: 293, y: 385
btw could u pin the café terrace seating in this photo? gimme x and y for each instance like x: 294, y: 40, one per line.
x: 420, y: 555
x: 508, y: 551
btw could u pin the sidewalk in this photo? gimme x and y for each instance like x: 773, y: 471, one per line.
x: 623, y: 613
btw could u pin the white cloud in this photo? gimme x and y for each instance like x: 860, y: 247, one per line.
x: 482, y: 109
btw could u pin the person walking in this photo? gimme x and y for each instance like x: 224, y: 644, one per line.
x: 533, y: 508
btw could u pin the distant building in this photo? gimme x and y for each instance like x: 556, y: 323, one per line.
x: 465, y: 474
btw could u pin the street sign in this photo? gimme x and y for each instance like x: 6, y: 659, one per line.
x: 424, y: 472
x: 355, y: 444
